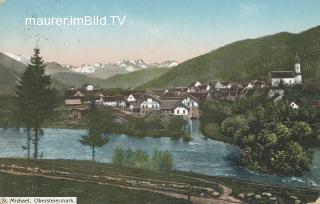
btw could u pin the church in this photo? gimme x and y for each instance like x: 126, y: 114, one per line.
x: 287, y: 77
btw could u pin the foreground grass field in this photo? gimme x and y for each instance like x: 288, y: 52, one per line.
x: 86, y: 193
x: 100, y: 183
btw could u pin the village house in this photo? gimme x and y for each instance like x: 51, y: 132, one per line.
x: 204, y: 88
x: 294, y: 105
x: 156, y: 92
x: 178, y: 89
x: 149, y: 104
x: 117, y: 101
x: 77, y: 113
x: 226, y: 91
x: 222, y: 85
x: 181, y: 110
x: 73, y: 98
x: 72, y: 102
x: 257, y: 84
x: 88, y: 87
x: 167, y: 106
x: 275, y: 94
x: 172, y: 95
x: 194, y: 86
x: 287, y: 77
x: 192, y: 102
x: 133, y: 99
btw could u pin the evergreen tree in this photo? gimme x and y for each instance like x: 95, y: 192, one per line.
x: 36, y: 99
x: 99, y: 123
x: 93, y: 140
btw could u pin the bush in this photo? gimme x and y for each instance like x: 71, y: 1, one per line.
x: 231, y: 125
x: 159, y: 160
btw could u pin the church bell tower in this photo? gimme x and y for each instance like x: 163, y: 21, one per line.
x: 297, y: 70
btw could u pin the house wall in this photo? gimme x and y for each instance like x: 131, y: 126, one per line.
x: 190, y: 102
x: 181, y: 110
x: 220, y: 86
x: 197, y: 83
x: 72, y: 102
x: 298, y: 79
x: 131, y: 98
x: 286, y: 81
x: 89, y: 88
x: 149, y: 105
x: 166, y: 111
x: 115, y: 104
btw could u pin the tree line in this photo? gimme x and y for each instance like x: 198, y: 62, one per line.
x: 274, y: 137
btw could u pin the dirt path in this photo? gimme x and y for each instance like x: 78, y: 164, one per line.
x: 225, y: 198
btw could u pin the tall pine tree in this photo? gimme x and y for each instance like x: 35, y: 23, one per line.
x: 36, y: 99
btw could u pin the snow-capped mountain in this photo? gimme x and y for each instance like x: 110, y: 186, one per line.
x: 97, y: 70
x: 121, y: 66
x: 24, y: 59
x: 165, y: 64
x: 85, y: 68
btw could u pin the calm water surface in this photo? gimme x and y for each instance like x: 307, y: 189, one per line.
x: 200, y: 155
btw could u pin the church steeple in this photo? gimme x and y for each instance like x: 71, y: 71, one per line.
x: 297, y: 59
x: 297, y: 70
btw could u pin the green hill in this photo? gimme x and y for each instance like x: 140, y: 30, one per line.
x: 9, y: 72
x: 248, y: 59
x: 74, y: 79
x: 8, y: 80
x: 133, y: 79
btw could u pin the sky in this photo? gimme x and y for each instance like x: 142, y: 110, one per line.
x: 154, y: 30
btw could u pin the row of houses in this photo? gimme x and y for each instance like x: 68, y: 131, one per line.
x: 183, y: 101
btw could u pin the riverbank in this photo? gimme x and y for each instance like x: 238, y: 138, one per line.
x: 34, y: 180
x: 212, y: 131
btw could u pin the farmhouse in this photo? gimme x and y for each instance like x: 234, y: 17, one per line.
x: 181, y: 109
x: 167, y: 106
x: 194, y: 86
x: 294, y: 105
x: 149, y: 104
x: 192, y: 102
x: 117, y: 101
x: 222, y: 85
x: 257, y: 84
x: 77, y: 113
x: 88, y: 87
x: 72, y: 102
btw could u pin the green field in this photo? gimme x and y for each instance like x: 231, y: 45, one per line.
x: 86, y: 193
x: 91, y: 173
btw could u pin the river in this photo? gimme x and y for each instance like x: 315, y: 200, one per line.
x: 200, y: 155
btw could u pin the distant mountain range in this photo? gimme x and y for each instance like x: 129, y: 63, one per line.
x: 98, y: 70
x: 248, y: 59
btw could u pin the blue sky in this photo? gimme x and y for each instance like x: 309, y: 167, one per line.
x: 155, y: 30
